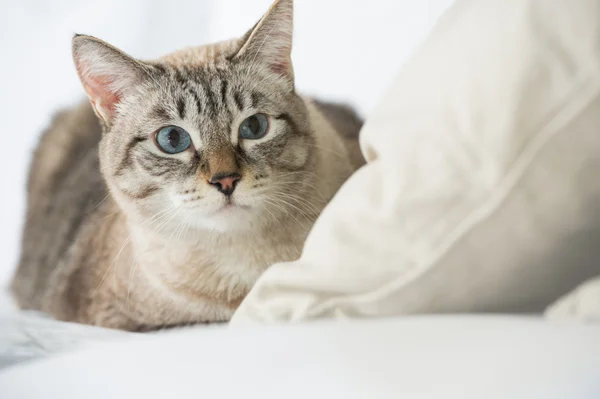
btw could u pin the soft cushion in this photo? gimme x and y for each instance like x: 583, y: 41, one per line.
x: 582, y: 304
x: 482, y: 190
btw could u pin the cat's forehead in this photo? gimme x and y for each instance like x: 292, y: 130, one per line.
x: 201, y: 55
x: 202, y: 90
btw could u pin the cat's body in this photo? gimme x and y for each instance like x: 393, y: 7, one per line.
x: 121, y: 235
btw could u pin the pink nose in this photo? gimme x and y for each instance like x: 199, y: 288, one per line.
x: 225, y: 182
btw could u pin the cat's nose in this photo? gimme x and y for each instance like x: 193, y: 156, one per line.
x: 225, y: 182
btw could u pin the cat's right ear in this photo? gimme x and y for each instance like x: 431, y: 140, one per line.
x: 106, y: 73
x: 270, y: 41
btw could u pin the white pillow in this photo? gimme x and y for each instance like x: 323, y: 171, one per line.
x: 582, y: 304
x: 482, y: 190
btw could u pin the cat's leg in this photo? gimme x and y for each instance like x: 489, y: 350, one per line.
x: 581, y: 304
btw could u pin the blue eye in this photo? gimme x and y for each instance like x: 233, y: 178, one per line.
x: 173, y: 139
x: 254, y: 127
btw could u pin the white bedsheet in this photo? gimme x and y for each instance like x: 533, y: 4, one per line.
x: 419, y: 357
x: 28, y: 336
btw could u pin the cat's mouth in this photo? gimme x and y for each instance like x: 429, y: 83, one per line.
x: 223, y: 207
x: 234, y: 206
x: 230, y: 206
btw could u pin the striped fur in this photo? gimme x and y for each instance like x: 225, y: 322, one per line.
x: 123, y: 235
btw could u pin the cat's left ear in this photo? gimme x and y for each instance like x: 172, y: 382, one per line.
x: 107, y: 74
x: 270, y: 41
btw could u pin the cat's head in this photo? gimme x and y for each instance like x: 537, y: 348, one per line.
x: 211, y: 137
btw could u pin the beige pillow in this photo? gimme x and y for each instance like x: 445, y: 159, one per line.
x: 482, y: 191
x: 582, y: 304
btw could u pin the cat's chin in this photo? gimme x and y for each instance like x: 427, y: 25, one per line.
x: 224, y: 219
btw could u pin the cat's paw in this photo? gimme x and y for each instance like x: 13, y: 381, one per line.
x: 581, y: 304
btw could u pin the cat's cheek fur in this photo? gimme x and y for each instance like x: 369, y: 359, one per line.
x: 296, y: 154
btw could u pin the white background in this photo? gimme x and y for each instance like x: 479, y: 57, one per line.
x: 343, y: 49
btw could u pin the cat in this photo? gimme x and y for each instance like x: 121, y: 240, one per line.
x: 162, y: 199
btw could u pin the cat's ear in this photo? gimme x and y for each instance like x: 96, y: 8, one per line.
x: 270, y: 41
x: 106, y: 73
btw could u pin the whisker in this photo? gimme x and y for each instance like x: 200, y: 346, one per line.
x: 301, y: 201
x: 116, y: 259
x: 99, y: 203
x: 170, y: 238
x: 304, y: 185
x: 158, y: 216
x: 109, y: 215
x: 112, y: 264
x: 134, y: 266
x: 283, y: 210
x: 296, y: 208
x: 166, y: 221
x: 275, y: 219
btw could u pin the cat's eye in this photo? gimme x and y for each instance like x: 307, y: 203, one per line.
x: 173, y: 139
x: 254, y: 127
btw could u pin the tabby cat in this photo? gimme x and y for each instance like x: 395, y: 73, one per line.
x: 162, y: 202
